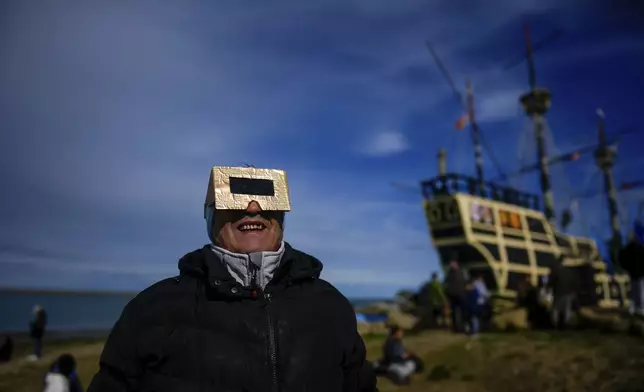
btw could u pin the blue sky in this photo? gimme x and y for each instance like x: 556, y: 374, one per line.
x: 112, y: 114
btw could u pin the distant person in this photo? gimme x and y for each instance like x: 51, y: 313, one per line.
x: 6, y: 349
x: 455, y: 282
x: 563, y: 282
x: 247, y: 313
x: 631, y: 259
x: 62, y: 376
x: 587, y: 294
x: 544, y: 292
x: 525, y: 286
x: 437, y: 301
x: 37, y: 327
x: 397, y: 363
x: 485, y: 315
x: 542, y: 317
x: 528, y: 298
x: 474, y: 300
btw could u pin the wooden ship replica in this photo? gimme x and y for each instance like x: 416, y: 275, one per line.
x: 506, y: 235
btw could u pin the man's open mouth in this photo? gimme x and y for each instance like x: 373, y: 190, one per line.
x: 251, y: 226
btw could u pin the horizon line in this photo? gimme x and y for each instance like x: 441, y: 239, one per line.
x: 54, y: 291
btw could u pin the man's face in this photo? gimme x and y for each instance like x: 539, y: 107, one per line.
x: 252, y: 230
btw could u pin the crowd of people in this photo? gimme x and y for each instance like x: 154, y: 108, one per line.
x: 466, y: 300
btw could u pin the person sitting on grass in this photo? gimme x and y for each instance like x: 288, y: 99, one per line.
x: 397, y: 363
x: 6, y: 349
x: 62, y: 376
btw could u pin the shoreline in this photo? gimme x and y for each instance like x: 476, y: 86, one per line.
x: 16, y: 290
x: 21, y: 337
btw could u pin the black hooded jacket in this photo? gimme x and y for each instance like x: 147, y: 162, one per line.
x: 202, y: 331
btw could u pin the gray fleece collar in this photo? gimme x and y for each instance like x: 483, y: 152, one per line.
x: 242, y: 267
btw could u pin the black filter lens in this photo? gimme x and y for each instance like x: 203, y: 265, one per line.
x: 252, y: 186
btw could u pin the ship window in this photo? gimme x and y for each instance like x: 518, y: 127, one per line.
x: 543, y: 241
x: 564, y: 244
x: 585, y: 250
x: 517, y: 255
x: 615, y: 291
x: 514, y: 236
x: 544, y: 259
x: 453, y: 232
x: 536, y: 225
x: 563, y: 241
x: 464, y: 254
x: 510, y: 219
x: 481, y: 214
x: 485, y: 230
x: 515, y: 279
x: 494, y: 250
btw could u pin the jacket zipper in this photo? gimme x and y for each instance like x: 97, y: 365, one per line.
x: 272, y: 346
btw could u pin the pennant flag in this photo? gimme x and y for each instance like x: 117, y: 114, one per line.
x: 462, y: 122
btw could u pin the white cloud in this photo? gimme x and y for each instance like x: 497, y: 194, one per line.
x: 499, y: 106
x: 386, y: 143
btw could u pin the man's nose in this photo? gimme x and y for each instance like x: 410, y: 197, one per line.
x: 253, y: 208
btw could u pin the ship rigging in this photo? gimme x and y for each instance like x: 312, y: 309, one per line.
x: 504, y: 234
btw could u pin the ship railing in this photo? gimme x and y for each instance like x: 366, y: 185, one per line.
x: 450, y: 184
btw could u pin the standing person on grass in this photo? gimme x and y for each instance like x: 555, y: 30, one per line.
x: 247, y: 313
x: 37, y: 327
x: 455, y: 282
x: 474, y: 308
x: 485, y: 307
x: 437, y: 301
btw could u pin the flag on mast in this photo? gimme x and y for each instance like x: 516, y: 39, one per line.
x: 462, y: 122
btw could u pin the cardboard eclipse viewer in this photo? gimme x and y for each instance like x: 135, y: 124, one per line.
x: 232, y: 188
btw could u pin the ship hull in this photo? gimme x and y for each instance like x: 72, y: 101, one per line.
x: 507, y: 244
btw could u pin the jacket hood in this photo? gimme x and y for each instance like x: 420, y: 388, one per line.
x: 206, y: 264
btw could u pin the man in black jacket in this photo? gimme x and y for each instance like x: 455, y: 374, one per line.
x: 247, y: 312
x: 455, y: 282
x: 631, y: 259
x: 564, y: 284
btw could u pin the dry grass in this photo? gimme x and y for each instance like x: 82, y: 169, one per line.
x: 21, y: 375
x: 531, y: 362
x: 522, y: 362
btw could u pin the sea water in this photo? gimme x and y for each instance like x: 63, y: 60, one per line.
x: 69, y: 312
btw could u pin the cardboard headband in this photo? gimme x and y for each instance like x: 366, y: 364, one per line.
x: 232, y: 188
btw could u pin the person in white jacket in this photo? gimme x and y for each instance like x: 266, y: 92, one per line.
x: 55, y: 382
x: 62, y: 376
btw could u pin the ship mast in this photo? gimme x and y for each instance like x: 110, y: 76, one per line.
x: 478, y: 153
x: 605, y: 159
x: 468, y: 105
x: 536, y: 104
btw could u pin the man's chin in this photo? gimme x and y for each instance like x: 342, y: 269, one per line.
x: 251, y: 245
